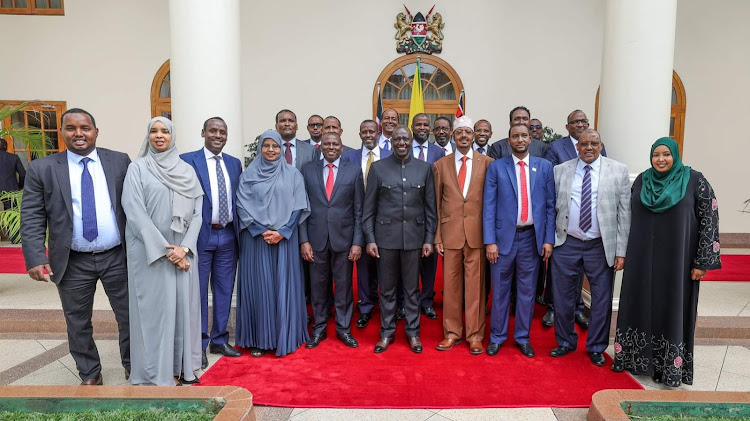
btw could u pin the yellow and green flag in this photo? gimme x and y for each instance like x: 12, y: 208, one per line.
x: 417, y: 96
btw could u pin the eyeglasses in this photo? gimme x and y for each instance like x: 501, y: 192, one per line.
x: 581, y: 121
x: 535, y: 126
x: 587, y: 144
x: 441, y: 129
x: 315, y: 125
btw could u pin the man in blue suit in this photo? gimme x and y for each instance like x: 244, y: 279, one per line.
x: 519, y: 229
x: 367, y: 272
x: 428, y: 152
x: 219, y: 174
x: 331, y: 238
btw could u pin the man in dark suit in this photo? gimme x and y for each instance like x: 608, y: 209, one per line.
x: 428, y: 152
x: 441, y: 129
x: 501, y: 148
x: 294, y: 151
x: 519, y: 228
x: 219, y: 174
x: 399, y: 223
x: 367, y: 273
x: 315, y: 128
x: 12, y: 172
x: 331, y: 238
x: 76, y: 195
x: 482, y: 136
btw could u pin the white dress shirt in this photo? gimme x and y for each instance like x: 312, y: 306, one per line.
x: 213, y: 180
x: 415, y: 149
x: 106, y: 220
x: 335, y: 170
x: 528, y: 169
x: 366, y: 155
x: 575, y: 144
x: 469, y: 166
x: 293, y: 146
x: 575, y: 201
x: 448, y: 148
x: 381, y: 142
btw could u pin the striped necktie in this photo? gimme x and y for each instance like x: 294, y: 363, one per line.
x: 585, y: 219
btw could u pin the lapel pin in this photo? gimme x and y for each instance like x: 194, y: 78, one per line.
x: 533, y: 168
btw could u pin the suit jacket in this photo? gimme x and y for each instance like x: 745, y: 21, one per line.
x: 501, y: 203
x: 562, y: 150
x: 10, y: 166
x: 355, y: 155
x: 305, y: 153
x: 197, y: 160
x: 399, y: 210
x: 501, y: 149
x: 48, y: 203
x: 319, y: 153
x: 612, y: 205
x: 434, y: 152
x: 340, y: 219
x: 459, y: 218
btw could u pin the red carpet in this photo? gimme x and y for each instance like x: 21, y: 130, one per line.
x: 735, y: 267
x: 11, y: 260
x: 334, y: 376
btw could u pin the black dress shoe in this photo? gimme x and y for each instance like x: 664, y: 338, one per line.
x: 582, y: 320
x: 382, y: 345
x: 348, y: 340
x: 183, y: 381
x: 561, y: 351
x: 315, y: 340
x: 526, y: 350
x: 549, y: 319
x: 597, y: 358
x: 429, y: 312
x: 415, y: 344
x: 204, y: 360
x: 364, y: 320
x: 493, y: 348
x: 540, y: 300
x: 400, y: 314
x: 223, y: 349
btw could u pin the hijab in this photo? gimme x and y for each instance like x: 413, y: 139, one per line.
x: 662, y: 190
x: 177, y: 175
x: 269, y: 191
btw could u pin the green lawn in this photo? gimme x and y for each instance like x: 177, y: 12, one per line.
x: 120, y: 415
x: 684, y: 418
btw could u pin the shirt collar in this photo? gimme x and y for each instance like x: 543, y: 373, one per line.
x: 75, y: 158
x: 210, y: 155
x: 594, y: 165
x: 574, y: 140
x: 375, y: 151
x: 335, y: 163
x: 516, y: 160
x: 415, y: 144
x: 459, y: 155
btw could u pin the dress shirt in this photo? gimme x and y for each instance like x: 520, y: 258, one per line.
x: 211, y: 164
x: 485, y: 148
x: 293, y: 146
x: 575, y: 144
x: 469, y: 165
x: 106, y: 221
x: 381, y: 142
x: 448, y: 148
x: 575, y: 201
x: 415, y: 148
x: 335, y: 170
x: 530, y: 219
x: 366, y: 156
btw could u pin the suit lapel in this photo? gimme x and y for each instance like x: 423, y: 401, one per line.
x: 109, y: 175
x: 568, y: 147
x: 475, y: 178
x: 511, y: 170
x: 452, y: 167
x: 202, y: 172
x: 63, y: 179
x: 319, y: 176
x: 532, y: 173
x: 342, y: 169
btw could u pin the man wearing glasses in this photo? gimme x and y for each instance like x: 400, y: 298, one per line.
x: 441, y: 129
x: 315, y: 128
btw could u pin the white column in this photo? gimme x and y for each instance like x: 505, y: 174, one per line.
x: 205, y: 70
x: 636, y: 82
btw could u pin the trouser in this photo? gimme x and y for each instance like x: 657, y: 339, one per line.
x: 367, y: 283
x: 217, y: 267
x: 331, y: 264
x: 463, y: 278
x: 392, y: 266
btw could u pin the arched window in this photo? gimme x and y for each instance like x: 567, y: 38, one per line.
x: 440, y: 83
x: 677, y: 116
x: 161, y: 93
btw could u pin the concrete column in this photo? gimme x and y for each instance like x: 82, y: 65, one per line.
x: 636, y: 81
x: 205, y: 70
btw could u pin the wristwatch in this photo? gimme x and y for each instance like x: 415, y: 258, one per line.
x: 185, y: 249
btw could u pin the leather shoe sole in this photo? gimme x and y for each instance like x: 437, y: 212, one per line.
x: 447, y: 343
x: 97, y: 381
x: 526, y: 350
x: 348, y: 340
x: 224, y: 349
x: 315, y: 340
x: 415, y: 344
x: 382, y: 345
x: 597, y: 358
x: 493, y: 348
x: 561, y: 351
x: 476, y: 348
x: 364, y: 320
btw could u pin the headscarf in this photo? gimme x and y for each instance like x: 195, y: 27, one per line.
x: 177, y: 175
x: 269, y: 191
x: 662, y: 190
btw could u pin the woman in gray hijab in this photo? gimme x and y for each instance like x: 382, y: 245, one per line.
x: 162, y: 201
x: 271, y: 203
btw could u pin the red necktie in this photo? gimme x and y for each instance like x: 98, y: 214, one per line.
x: 317, y: 146
x: 329, y: 182
x: 462, y: 174
x: 524, y: 194
x: 288, y: 152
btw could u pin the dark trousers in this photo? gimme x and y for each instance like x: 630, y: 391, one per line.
x: 568, y: 261
x: 330, y: 264
x: 523, y: 262
x: 217, y: 266
x: 427, y: 270
x: 549, y: 293
x: 395, y: 265
x: 367, y: 283
x: 77, y: 288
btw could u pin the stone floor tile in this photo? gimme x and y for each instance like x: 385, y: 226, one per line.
x: 704, y: 378
x: 712, y: 306
x: 737, y: 361
x: 438, y: 417
x: 272, y: 413
x: 15, y: 352
x: 710, y: 356
x: 50, y: 343
x: 18, y: 291
x: 571, y: 414
x: 52, y: 374
x: 499, y: 414
x: 730, y: 382
x: 745, y: 312
x: 327, y: 414
x: 297, y: 411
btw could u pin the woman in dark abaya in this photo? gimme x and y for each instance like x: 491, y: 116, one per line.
x: 271, y: 203
x: 674, y: 240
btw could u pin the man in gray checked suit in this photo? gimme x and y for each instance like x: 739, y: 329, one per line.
x: 591, y: 235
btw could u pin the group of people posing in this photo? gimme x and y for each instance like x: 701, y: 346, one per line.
x: 162, y: 230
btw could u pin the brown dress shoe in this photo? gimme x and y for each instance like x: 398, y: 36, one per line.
x: 382, y: 345
x: 415, y: 344
x: 447, y: 343
x: 476, y: 348
x: 98, y: 381
x: 127, y: 374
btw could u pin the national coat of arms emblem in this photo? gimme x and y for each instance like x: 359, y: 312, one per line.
x: 417, y: 34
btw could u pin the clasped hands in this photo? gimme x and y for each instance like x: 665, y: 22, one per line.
x: 177, y: 257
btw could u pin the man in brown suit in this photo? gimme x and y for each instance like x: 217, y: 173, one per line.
x: 459, y: 188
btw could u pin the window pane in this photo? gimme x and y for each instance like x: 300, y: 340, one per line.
x: 18, y: 145
x: 17, y: 119
x: 50, y: 120
x: 21, y: 3
x: 6, y: 3
x: 448, y: 93
x: 51, y: 141
x: 41, y: 4
x: 165, y: 90
x: 671, y: 127
x: 440, y: 78
x: 405, y: 93
x: 389, y: 92
x: 55, y: 4
x: 24, y: 159
x: 426, y: 71
x: 167, y: 114
x: 397, y: 79
x: 674, y: 95
x: 34, y: 119
x: 430, y: 93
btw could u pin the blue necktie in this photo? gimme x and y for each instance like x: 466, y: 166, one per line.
x: 585, y: 221
x: 88, y: 203
x: 421, y: 153
x: 387, y: 146
x: 480, y: 150
x: 223, y: 202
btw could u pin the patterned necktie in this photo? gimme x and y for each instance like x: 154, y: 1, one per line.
x: 288, y: 152
x: 88, y: 203
x: 387, y: 145
x: 524, y: 193
x: 421, y: 153
x: 370, y: 160
x: 585, y: 219
x: 480, y: 150
x: 222, y: 187
x: 329, y: 182
x: 462, y: 174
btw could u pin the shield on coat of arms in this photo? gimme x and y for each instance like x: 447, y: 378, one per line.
x: 419, y: 29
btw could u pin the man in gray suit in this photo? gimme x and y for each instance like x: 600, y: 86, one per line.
x: 591, y: 236
x: 294, y: 151
x: 76, y: 195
